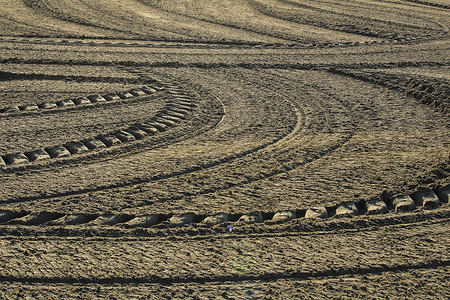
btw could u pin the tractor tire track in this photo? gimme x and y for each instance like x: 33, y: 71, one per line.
x: 261, y: 156
x: 289, y: 162
x: 231, y: 258
x: 424, y: 204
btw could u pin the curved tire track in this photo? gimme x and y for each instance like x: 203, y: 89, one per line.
x: 422, y: 199
x: 402, y: 230
x: 174, y: 112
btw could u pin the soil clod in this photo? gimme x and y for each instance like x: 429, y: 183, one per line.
x: 375, y: 207
x: 348, y: 209
x: 316, y: 212
x: 284, y: 216
x: 216, y: 219
x: 403, y: 203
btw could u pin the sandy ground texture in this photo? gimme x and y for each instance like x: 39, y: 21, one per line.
x: 258, y: 149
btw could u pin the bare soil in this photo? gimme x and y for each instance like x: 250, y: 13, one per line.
x: 225, y: 114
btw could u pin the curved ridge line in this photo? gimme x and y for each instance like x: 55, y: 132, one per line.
x: 8, y: 217
x: 155, y: 177
x: 15, y: 110
x: 158, y: 127
x: 266, y: 277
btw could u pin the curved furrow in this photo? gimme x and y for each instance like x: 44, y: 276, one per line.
x: 49, y: 90
x: 128, y: 43
x: 440, y: 4
x: 305, y: 14
x: 27, y: 17
x: 138, y: 182
x: 430, y: 91
x: 222, y: 160
x: 224, y: 149
x: 295, y: 150
x: 419, y: 19
x: 73, y: 127
x: 148, y: 24
x: 284, y: 31
x: 178, y: 106
x: 190, y: 29
x: 21, y: 28
x: 70, y: 12
x: 230, y: 258
x: 221, y: 186
x: 283, y: 37
x: 264, y: 163
x: 365, y: 55
x: 369, y: 10
x: 324, y: 179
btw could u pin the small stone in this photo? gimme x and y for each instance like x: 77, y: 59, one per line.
x: 216, y: 219
x: 284, y: 216
x: 316, y: 212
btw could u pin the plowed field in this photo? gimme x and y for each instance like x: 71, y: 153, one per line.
x: 224, y: 149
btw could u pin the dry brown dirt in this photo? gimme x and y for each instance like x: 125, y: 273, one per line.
x: 224, y: 149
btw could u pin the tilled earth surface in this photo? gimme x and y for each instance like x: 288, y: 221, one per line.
x: 259, y: 149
